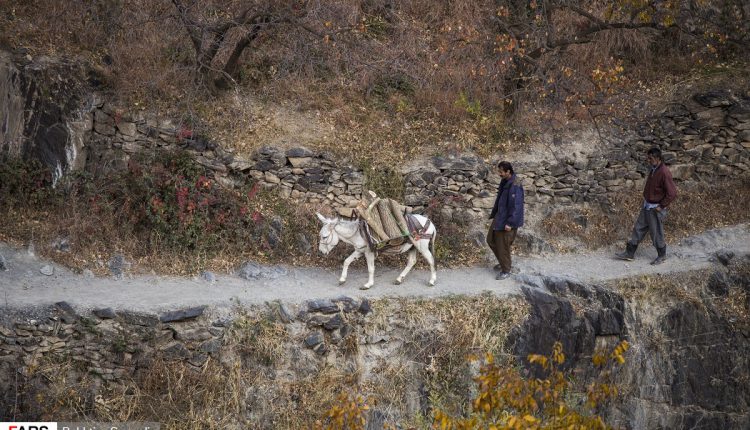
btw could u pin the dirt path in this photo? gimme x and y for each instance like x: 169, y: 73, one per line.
x: 23, y: 285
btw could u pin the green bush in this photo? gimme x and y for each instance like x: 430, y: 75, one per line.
x: 24, y: 182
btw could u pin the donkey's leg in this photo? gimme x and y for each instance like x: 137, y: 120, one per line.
x: 423, y: 246
x: 355, y: 255
x: 370, y: 257
x: 409, y: 264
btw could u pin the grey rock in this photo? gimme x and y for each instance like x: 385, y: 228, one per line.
x: 531, y: 280
x: 182, y: 314
x: 263, y: 165
x: 714, y: 98
x: 314, y: 339
x: 317, y: 321
x: 353, y: 178
x: 198, y: 359
x: 345, y: 330
x: 105, y: 313
x: 211, y: 346
x: 334, y: 322
x: 67, y: 311
x: 47, y: 270
x: 3, y: 264
x: 284, y: 315
x: 364, y: 307
x: 608, y: 322
x: 320, y: 349
x: 135, y: 318
x: 299, y: 152
x: 349, y: 304
x: 719, y: 283
x: 273, y: 237
x: 324, y: 306
x: 254, y: 271
x: 62, y: 245
x: 377, y: 338
x: 175, y: 351
x: 303, y: 244
x: 208, y: 276
x: 556, y: 285
x: 118, y: 265
x: 724, y: 256
x: 126, y: 128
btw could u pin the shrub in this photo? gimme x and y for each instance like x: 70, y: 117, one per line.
x: 24, y: 182
x: 164, y: 210
x: 506, y: 400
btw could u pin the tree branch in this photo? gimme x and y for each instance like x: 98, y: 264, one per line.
x: 190, y: 25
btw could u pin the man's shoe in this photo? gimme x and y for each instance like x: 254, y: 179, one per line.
x: 502, y: 275
x: 497, y: 267
x: 658, y: 260
x: 625, y: 256
x: 629, y: 253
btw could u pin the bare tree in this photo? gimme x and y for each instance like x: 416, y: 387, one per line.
x: 549, y: 43
x: 220, y: 36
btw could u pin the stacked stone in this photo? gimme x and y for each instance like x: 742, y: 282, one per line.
x: 301, y: 174
x: 330, y: 321
x: 454, y: 184
x: 108, y: 344
x: 706, y: 136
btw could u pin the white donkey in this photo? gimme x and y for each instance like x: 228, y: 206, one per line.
x: 336, y: 229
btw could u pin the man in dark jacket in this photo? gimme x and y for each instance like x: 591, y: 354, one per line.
x: 658, y: 193
x: 507, y: 216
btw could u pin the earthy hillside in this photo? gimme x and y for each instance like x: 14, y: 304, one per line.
x: 161, y: 164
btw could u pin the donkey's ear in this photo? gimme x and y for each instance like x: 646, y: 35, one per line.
x: 322, y: 218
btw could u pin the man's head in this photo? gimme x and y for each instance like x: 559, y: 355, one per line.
x: 505, y: 169
x: 653, y: 156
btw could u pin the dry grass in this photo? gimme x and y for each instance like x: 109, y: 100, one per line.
x: 175, y: 394
x: 440, y: 337
x: 585, y: 224
x: 261, y: 381
x: 662, y: 289
x: 258, y: 336
x: 392, y: 83
x: 699, y: 207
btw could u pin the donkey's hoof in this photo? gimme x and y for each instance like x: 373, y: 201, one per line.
x: 431, y: 283
x: 397, y: 282
x: 342, y: 281
x: 365, y: 287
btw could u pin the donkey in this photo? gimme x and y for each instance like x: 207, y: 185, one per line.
x: 336, y: 229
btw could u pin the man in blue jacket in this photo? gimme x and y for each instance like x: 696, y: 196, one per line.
x: 507, y: 216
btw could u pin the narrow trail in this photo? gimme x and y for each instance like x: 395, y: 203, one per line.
x: 23, y: 285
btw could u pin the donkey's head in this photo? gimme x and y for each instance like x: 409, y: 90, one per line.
x: 328, y: 236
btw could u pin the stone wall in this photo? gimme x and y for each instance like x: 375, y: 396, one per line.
x: 707, y: 136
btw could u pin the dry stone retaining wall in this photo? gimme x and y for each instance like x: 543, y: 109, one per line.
x: 706, y: 136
